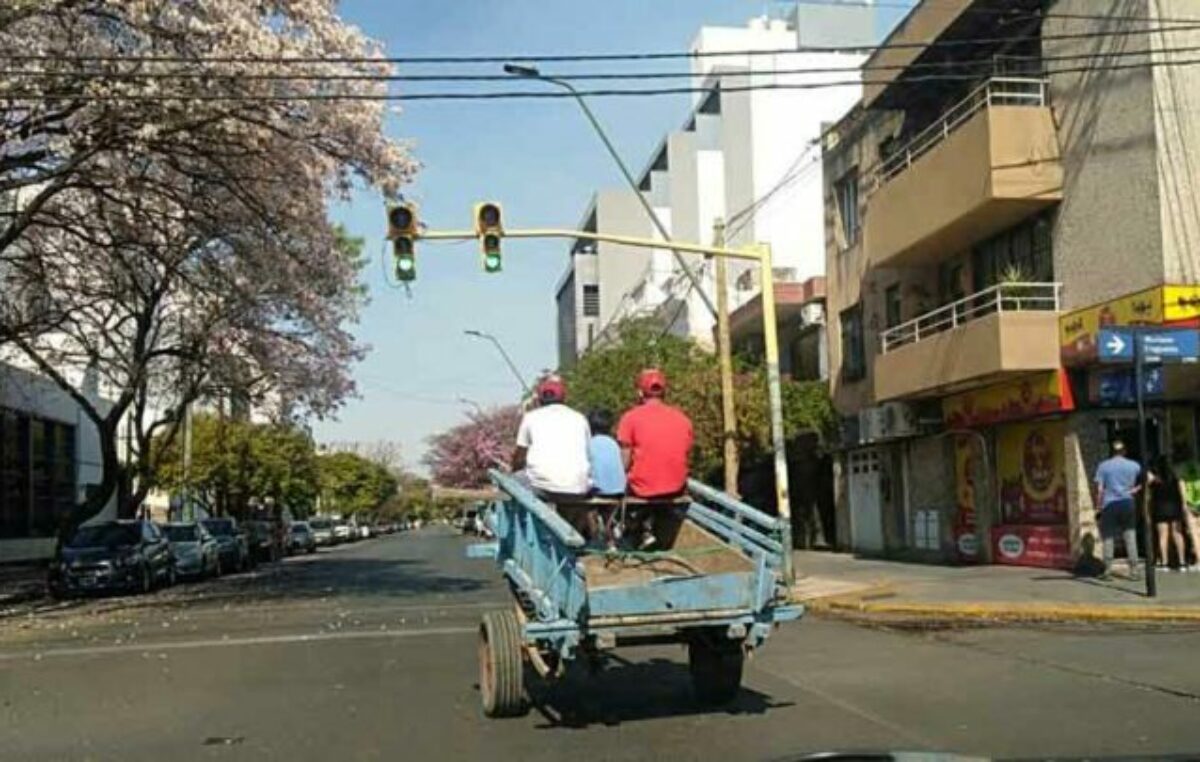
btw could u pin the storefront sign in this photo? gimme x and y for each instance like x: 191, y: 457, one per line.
x: 1025, y: 398
x: 1177, y: 306
x: 1041, y: 546
x: 1030, y: 464
x: 966, y: 458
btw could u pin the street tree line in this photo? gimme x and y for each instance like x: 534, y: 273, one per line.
x: 238, y: 466
x: 177, y: 248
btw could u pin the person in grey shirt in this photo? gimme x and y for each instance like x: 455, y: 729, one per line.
x: 1117, y: 481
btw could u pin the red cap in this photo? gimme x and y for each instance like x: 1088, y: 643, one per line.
x: 652, y: 381
x: 552, y: 389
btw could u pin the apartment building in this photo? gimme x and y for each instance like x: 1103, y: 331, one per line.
x: 747, y: 152
x: 1015, y: 178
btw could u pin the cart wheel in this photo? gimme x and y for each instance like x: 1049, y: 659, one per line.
x: 716, y: 667
x: 501, y: 665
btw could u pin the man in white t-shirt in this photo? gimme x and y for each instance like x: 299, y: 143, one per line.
x: 552, y: 444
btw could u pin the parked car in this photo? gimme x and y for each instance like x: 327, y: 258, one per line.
x: 196, y: 552
x: 264, y: 540
x: 342, y: 531
x: 300, y: 538
x: 322, y: 530
x: 130, y: 555
x: 383, y: 527
x: 231, y: 542
x: 364, y: 531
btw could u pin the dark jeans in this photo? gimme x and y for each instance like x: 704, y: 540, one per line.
x: 1119, y: 516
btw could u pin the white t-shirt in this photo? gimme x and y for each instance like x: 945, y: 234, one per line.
x: 556, y: 438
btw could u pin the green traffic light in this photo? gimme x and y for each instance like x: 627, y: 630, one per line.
x: 491, y: 262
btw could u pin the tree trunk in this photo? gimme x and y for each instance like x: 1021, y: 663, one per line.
x: 99, y: 495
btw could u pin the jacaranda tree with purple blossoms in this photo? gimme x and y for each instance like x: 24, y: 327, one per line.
x: 461, y: 456
x: 165, y: 235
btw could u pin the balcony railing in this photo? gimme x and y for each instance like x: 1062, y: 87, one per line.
x: 1006, y: 297
x: 998, y: 91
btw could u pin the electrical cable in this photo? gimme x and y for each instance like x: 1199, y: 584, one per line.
x: 1180, y: 26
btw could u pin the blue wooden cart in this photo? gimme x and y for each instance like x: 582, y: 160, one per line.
x: 716, y: 585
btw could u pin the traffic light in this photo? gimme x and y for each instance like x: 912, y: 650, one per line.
x: 489, y: 226
x: 402, y: 229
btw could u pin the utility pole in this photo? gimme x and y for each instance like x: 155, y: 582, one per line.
x: 1139, y: 382
x: 725, y: 354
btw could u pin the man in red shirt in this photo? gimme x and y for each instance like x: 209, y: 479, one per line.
x: 656, y: 439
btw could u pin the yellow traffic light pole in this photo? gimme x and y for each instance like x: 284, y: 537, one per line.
x: 760, y: 253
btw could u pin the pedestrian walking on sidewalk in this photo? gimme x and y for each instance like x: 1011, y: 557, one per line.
x: 1166, y: 508
x: 1189, y: 473
x: 1116, y: 485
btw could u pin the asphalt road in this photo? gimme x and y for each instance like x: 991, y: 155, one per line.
x: 368, y: 652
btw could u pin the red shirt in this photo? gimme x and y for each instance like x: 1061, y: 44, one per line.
x: 660, y: 437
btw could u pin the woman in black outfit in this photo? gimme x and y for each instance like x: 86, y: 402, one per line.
x: 1166, y: 508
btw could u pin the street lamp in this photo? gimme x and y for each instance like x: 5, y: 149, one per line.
x: 531, y: 72
x: 500, y: 347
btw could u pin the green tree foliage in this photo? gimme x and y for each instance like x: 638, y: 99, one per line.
x: 350, y: 483
x: 604, y: 378
x: 235, y: 463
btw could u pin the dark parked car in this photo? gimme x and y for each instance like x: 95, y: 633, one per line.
x: 235, y: 549
x: 301, y: 538
x: 195, y: 551
x: 264, y: 541
x: 130, y: 555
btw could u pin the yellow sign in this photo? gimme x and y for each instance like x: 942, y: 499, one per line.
x: 1030, y: 464
x: 1181, y: 304
x: 1024, y: 398
x: 1169, y: 305
x: 966, y: 456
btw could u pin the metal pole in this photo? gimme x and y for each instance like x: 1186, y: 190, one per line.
x: 749, y: 255
x: 533, y: 73
x: 725, y: 353
x: 775, y: 397
x: 508, y: 360
x: 1139, y: 367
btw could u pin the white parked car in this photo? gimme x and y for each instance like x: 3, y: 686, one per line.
x: 364, y: 531
x: 342, y: 531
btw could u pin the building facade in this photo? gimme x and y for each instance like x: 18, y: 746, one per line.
x: 982, y: 226
x: 747, y: 153
x: 49, y: 456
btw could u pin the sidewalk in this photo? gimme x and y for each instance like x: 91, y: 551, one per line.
x: 21, y: 582
x: 841, y: 583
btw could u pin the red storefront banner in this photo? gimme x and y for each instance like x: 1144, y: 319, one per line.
x: 1043, y: 546
x: 1029, y: 397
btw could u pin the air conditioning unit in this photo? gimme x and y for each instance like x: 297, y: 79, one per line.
x: 898, y: 419
x: 812, y: 313
x: 870, y: 425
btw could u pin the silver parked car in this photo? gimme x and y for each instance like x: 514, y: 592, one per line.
x: 194, y: 549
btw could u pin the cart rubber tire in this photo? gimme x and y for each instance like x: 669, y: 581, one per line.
x: 716, y: 667
x: 501, y: 665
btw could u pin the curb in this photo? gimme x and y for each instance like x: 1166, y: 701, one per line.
x: 1003, y: 611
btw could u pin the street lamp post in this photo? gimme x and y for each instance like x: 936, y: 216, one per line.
x: 508, y: 360
x: 530, y: 72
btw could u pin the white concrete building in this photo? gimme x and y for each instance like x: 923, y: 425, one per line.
x: 747, y: 156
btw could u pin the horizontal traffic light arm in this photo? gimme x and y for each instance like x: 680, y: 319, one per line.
x: 749, y: 254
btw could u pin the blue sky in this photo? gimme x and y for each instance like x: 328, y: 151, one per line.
x: 538, y: 158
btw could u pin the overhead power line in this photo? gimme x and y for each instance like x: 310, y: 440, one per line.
x: 27, y: 96
x: 953, y: 67
x: 1180, y: 26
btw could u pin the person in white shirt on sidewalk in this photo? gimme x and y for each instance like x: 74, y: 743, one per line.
x: 552, y: 445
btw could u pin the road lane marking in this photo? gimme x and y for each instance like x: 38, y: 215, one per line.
x: 262, y: 640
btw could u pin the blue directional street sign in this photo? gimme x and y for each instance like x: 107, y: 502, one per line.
x: 1115, y: 346
x: 1158, y: 344
x: 1117, y: 387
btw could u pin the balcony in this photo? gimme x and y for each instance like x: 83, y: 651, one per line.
x: 1006, y: 329
x: 991, y: 161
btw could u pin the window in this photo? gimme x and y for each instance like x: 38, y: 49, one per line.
x: 37, y: 475
x: 1022, y: 252
x: 591, y: 301
x: 845, y: 192
x: 892, y: 306
x: 854, y: 356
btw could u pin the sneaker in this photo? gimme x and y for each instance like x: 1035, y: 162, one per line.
x: 648, y: 541
x: 1192, y: 568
